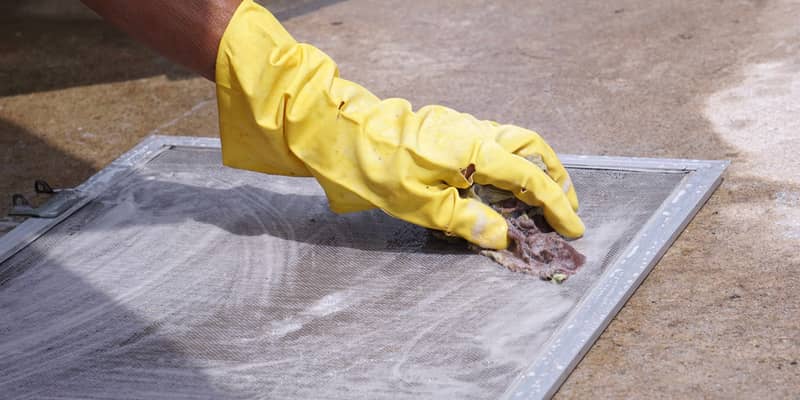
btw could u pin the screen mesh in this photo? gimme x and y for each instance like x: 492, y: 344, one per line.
x: 187, y: 279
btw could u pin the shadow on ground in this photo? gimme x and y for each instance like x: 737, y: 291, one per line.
x: 51, y: 45
x: 18, y: 147
x: 48, y: 45
x: 41, y: 54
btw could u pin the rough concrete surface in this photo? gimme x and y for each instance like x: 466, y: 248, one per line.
x: 719, y: 315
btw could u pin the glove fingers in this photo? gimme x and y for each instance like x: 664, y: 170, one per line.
x: 559, y: 174
x: 474, y: 221
x: 525, y: 143
x: 529, y: 183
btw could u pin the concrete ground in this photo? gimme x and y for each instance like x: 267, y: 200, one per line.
x: 719, y: 317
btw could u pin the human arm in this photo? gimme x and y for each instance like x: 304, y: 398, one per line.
x: 186, y: 31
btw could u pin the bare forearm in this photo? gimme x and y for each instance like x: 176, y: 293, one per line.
x: 185, y: 31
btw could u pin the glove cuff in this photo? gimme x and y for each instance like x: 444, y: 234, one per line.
x: 252, y: 37
x: 249, y: 68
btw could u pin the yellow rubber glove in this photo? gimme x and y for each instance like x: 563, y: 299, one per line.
x: 284, y: 110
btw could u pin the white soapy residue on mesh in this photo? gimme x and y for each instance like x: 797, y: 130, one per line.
x: 221, y: 283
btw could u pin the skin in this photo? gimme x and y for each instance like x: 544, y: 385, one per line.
x: 187, y: 32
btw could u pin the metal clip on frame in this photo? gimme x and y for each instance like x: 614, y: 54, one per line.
x: 61, y: 201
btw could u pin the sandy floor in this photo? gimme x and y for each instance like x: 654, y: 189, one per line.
x: 719, y: 315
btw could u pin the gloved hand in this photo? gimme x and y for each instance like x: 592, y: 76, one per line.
x: 284, y: 110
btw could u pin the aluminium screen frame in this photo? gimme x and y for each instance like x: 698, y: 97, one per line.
x: 584, y: 323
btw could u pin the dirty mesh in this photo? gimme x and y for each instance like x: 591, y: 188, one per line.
x: 187, y: 279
